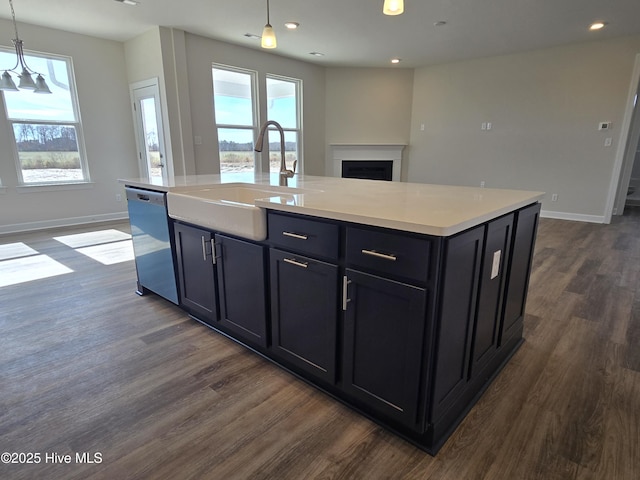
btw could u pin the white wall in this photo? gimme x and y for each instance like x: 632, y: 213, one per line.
x: 203, y: 52
x: 544, y: 107
x: 368, y: 106
x: 101, y: 80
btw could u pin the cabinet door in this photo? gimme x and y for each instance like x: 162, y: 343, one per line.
x: 520, y: 266
x: 241, y: 286
x: 383, y: 341
x: 497, y: 245
x: 196, y: 272
x: 304, y: 306
x: 461, y: 270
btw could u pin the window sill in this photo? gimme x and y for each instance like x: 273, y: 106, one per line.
x: 50, y: 187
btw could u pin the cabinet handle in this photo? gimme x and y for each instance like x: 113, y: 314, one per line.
x: 345, y: 284
x: 296, y: 263
x: 204, y: 248
x: 213, y: 251
x: 386, y: 256
x: 295, y: 235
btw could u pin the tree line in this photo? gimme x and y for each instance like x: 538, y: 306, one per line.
x: 45, y: 138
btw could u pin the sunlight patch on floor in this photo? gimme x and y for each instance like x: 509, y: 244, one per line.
x: 99, y: 237
x: 110, y: 253
x: 16, y: 250
x: 26, y: 269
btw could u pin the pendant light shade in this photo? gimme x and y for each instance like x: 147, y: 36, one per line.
x: 393, y: 7
x: 25, y: 75
x: 268, y: 35
x: 41, y: 85
x: 7, y: 83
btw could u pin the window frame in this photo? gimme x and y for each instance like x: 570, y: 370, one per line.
x: 298, y: 130
x: 254, y: 128
x: 76, y: 124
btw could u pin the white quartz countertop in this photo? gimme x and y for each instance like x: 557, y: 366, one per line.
x: 441, y: 210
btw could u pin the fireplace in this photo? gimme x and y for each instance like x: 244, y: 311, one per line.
x: 368, y: 169
x: 366, y: 161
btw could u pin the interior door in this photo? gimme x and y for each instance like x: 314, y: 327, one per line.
x: 149, y: 132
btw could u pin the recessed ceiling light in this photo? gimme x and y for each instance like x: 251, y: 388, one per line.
x: 439, y: 23
x: 252, y: 35
x: 597, y: 25
x: 396, y: 60
x: 128, y: 2
x: 316, y: 54
x: 292, y: 25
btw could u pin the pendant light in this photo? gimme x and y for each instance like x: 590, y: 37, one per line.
x: 268, y: 35
x: 393, y: 7
x: 25, y: 76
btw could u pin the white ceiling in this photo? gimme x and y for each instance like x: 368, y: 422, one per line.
x: 350, y: 32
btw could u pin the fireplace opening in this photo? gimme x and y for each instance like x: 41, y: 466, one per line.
x: 368, y: 169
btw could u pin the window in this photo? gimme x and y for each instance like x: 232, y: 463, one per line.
x: 283, y: 106
x: 235, y: 117
x: 235, y: 109
x: 46, y: 128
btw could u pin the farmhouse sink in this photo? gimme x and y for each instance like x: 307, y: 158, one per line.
x: 228, y: 208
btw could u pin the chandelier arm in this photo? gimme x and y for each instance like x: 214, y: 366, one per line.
x: 20, y: 53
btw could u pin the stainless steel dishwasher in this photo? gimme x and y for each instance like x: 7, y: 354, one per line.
x: 151, y: 234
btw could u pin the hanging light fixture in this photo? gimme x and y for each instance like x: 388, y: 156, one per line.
x: 268, y: 35
x: 393, y: 7
x: 25, y: 76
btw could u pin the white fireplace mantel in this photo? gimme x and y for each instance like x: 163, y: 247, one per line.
x: 367, y: 152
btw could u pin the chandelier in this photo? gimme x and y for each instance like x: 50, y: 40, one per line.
x: 26, y: 74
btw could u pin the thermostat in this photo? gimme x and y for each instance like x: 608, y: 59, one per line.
x: 604, y: 126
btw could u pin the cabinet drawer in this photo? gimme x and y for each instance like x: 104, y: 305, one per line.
x: 303, y: 235
x: 389, y: 253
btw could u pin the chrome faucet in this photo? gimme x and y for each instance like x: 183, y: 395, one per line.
x: 285, y: 174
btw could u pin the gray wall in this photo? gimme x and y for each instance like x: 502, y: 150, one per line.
x: 544, y: 107
x: 368, y: 106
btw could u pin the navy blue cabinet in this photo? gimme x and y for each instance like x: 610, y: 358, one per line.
x: 196, y: 272
x: 304, y: 313
x: 406, y: 328
x: 241, y: 268
x: 383, y: 341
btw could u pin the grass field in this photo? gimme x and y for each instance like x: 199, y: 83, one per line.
x: 57, y: 160
x: 61, y: 166
x: 243, y: 161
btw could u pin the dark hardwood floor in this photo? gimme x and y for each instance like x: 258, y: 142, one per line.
x: 88, y: 366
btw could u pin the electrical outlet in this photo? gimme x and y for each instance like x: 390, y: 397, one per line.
x: 422, y: 127
x: 118, y: 197
x: 482, y: 184
x: 554, y: 197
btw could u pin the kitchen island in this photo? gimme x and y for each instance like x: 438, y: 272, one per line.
x: 401, y: 300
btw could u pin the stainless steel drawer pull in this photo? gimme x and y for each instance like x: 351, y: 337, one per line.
x: 213, y: 251
x: 204, y: 249
x: 386, y: 256
x: 296, y: 263
x: 345, y: 292
x: 295, y: 235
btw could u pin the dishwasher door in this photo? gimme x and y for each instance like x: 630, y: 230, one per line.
x: 151, y: 235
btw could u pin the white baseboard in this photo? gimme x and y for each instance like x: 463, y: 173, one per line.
x: 576, y: 217
x: 62, y: 222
